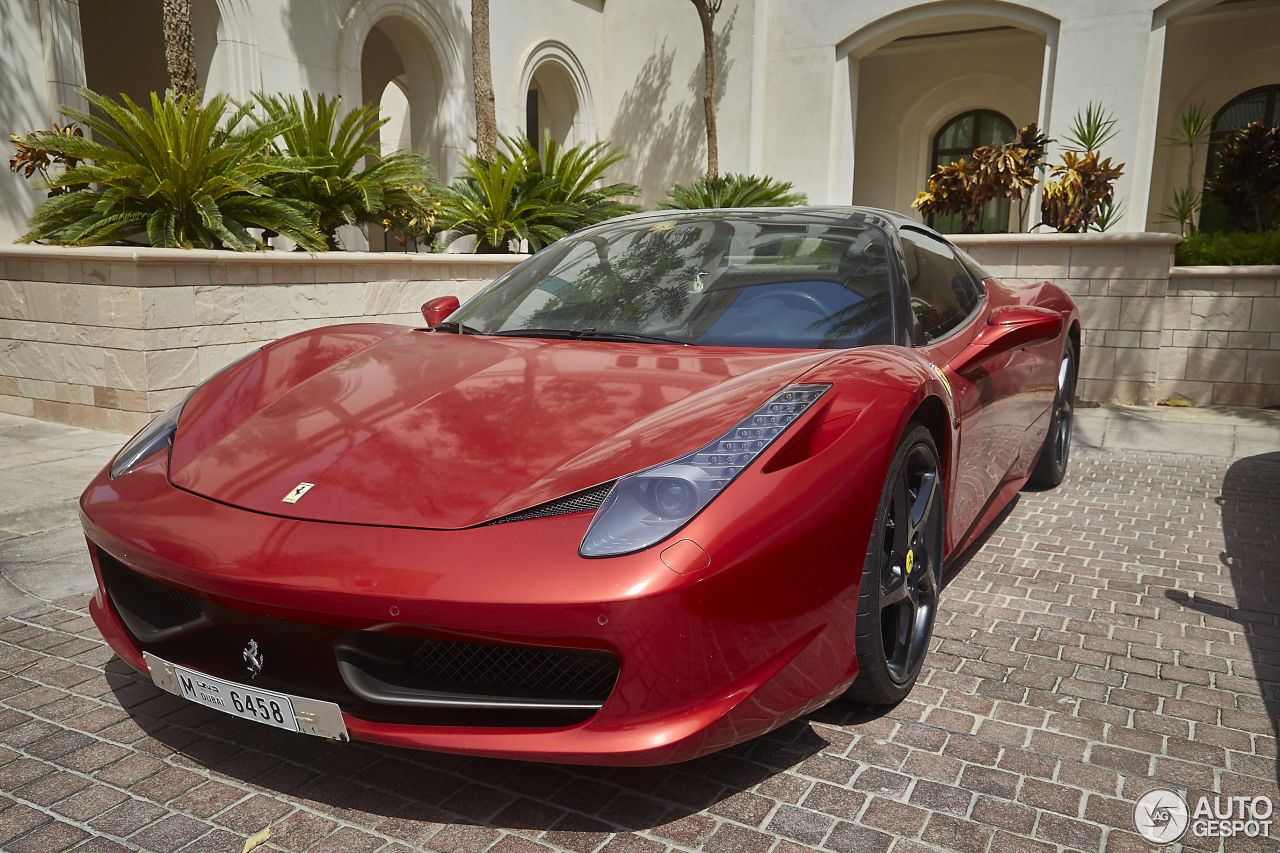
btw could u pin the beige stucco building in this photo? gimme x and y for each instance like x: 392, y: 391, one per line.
x: 852, y: 102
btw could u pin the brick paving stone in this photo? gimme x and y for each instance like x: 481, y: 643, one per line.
x: 1078, y: 662
x: 50, y: 838
x: 851, y: 838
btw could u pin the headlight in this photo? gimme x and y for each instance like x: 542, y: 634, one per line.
x: 157, y: 436
x: 646, y: 507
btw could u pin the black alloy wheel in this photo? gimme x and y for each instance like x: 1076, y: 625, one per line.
x: 901, y: 578
x: 1052, y: 465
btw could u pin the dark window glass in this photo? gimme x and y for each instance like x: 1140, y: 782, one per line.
x: 943, y: 294
x: 958, y: 138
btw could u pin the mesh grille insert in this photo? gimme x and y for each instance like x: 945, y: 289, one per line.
x: 520, y: 669
x: 584, y: 501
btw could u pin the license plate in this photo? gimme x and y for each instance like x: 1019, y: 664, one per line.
x: 293, y: 713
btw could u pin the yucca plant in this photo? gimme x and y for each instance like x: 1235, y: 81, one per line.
x: 527, y: 195
x: 343, y: 178
x: 1190, y: 131
x: 179, y: 171
x: 1080, y: 189
x: 732, y: 190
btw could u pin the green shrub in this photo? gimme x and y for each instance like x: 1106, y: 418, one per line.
x: 732, y: 190
x: 344, y: 179
x: 527, y: 195
x: 181, y: 171
x: 1229, y: 248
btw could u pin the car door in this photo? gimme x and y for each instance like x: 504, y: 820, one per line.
x: 950, y: 306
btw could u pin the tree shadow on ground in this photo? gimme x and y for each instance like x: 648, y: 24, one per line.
x: 1250, y: 504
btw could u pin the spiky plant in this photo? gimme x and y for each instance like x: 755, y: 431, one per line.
x: 180, y: 171
x: 577, y: 174
x: 535, y: 196
x: 345, y: 180
x: 732, y: 190
x: 498, y: 204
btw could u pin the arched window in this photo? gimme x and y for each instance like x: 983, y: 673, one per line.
x: 1260, y: 104
x: 958, y: 138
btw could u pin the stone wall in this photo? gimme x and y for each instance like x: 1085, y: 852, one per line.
x: 1209, y: 335
x: 105, y: 338
x: 1221, y: 339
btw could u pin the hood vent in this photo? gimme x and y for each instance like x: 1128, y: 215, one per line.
x: 585, y: 501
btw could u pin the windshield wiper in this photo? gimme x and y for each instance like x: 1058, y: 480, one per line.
x: 456, y: 328
x: 590, y: 335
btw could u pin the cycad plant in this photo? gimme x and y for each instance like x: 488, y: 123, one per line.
x: 525, y: 195
x: 181, y: 171
x: 732, y: 190
x: 343, y: 178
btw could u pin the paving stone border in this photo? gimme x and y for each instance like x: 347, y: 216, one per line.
x: 1117, y: 634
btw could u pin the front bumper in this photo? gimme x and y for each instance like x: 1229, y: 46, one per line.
x: 706, y: 659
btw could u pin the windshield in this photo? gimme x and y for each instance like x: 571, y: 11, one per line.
x: 711, y: 280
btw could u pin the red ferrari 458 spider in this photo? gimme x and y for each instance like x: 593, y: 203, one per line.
x: 671, y: 482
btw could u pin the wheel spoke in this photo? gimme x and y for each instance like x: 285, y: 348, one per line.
x: 893, y: 586
x: 922, y: 506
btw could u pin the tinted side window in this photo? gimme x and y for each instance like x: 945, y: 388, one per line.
x: 942, y: 292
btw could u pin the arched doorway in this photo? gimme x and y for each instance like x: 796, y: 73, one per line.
x: 557, y: 99
x: 404, y: 57
x: 913, y: 72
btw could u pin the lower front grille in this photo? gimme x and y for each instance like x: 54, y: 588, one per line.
x: 374, y: 675
x: 521, y: 669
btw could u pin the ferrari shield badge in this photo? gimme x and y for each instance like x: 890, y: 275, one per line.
x: 298, y: 491
x: 910, y: 560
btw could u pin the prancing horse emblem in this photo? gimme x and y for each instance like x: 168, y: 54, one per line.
x: 253, y: 659
x: 298, y: 491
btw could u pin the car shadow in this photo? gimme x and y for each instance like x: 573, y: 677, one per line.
x: 365, y: 783
x: 1250, y: 505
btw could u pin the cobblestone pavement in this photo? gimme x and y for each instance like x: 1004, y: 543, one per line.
x: 1115, y: 635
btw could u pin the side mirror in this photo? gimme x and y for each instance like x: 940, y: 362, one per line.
x: 435, y: 311
x: 1010, y: 328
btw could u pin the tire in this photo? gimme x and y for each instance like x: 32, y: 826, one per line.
x: 898, y: 599
x: 1051, y: 467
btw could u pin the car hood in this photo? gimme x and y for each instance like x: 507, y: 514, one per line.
x: 449, y: 431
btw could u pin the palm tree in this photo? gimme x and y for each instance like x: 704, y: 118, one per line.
x: 180, y: 46
x: 482, y: 73
x: 707, y: 10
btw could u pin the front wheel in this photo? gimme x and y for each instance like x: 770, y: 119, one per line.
x: 1052, y: 465
x: 898, y: 599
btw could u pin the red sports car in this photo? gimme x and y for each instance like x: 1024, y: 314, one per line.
x: 671, y: 482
